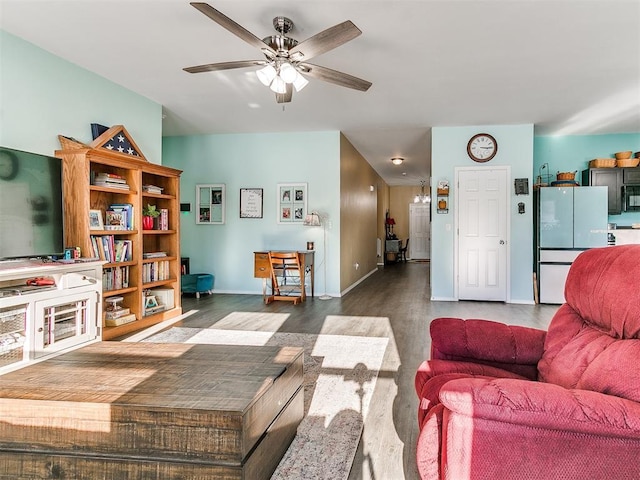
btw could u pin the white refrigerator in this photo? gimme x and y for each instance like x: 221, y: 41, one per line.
x: 569, y: 220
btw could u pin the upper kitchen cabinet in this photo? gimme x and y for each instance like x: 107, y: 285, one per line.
x: 610, y: 178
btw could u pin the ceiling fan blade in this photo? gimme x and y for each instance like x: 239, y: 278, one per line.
x: 324, y: 41
x: 333, y: 76
x: 285, y: 97
x: 213, y: 67
x: 235, y: 28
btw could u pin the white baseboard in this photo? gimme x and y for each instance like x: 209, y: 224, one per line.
x: 355, y: 284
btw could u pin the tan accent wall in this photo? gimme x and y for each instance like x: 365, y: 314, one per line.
x: 360, y: 218
x: 399, y: 200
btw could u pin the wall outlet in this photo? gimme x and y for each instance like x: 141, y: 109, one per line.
x: 356, y: 265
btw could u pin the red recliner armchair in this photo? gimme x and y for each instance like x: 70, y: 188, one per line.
x: 507, y: 402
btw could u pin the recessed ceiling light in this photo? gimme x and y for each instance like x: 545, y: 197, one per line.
x: 397, y: 160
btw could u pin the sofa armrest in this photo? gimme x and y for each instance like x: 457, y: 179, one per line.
x: 513, y: 348
x: 543, y: 405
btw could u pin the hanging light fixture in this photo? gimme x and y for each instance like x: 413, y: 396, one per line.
x: 278, y: 85
x: 422, y: 197
x: 266, y: 75
x: 278, y: 74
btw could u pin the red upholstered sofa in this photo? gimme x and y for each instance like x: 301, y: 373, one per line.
x: 507, y: 402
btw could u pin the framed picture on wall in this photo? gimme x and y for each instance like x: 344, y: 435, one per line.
x: 250, y: 203
x: 210, y: 204
x: 292, y: 202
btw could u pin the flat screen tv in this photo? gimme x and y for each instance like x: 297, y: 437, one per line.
x: 31, y: 220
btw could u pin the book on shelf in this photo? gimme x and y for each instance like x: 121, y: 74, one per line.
x: 154, y: 255
x: 163, y: 219
x: 113, y: 314
x: 123, y: 250
x: 110, y: 177
x: 114, y: 322
x: 112, y: 180
x: 115, y: 278
x: 107, y: 248
x: 112, y: 185
x: 152, y: 189
x: 152, y: 310
x: 156, y: 271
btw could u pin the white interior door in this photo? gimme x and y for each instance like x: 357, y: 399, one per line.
x: 419, y: 231
x: 482, y: 198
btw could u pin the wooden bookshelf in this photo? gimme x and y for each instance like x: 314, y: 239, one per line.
x: 81, y: 164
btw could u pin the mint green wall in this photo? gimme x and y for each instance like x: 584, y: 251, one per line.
x: 449, y: 150
x: 43, y: 96
x: 257, y: 161
x: 572, y: 153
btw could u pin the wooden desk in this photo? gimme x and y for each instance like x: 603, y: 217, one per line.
x: 262, y: 269
x: 152, y: 410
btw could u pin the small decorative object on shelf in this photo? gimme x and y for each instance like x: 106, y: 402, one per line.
x: 443, y: 195
x: 95, y: 220
x: 149, y: 213
x: 113, y: 310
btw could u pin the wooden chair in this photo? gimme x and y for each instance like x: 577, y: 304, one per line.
x: 287, y: 277
x: 403, y: 251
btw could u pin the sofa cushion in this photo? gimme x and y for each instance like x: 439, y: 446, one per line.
x: 593, y: 340
x: 602, y: 287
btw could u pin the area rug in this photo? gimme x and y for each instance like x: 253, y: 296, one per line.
x: 340, y: 374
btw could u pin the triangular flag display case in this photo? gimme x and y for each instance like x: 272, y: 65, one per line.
x: 107, y: 183
x: 117, y: 139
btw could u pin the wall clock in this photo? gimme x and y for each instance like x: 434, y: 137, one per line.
x: 8, y: 165
x: 482, y: 147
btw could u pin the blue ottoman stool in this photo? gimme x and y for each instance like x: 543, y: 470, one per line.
x: 197, y: 283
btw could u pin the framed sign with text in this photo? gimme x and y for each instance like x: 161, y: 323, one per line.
x: 251, y: 203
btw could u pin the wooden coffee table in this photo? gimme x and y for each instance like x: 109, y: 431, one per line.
x: 147, y: 410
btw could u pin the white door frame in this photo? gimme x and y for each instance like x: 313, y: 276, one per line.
x: 456, y: 239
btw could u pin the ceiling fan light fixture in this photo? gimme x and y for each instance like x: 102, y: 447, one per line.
x: 278, y: 85
x: 397, y: 160
x: 288, y: 73
x: 300, y: 82
x: 266, y: 75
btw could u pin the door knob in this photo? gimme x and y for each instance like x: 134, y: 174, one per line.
x: 501, y: 242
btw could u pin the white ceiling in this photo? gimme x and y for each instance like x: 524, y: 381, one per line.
x: 567, y: 66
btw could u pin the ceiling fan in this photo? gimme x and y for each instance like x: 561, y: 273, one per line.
x: 285, y: 65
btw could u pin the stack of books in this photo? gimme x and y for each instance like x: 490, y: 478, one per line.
x: 152, y: 189
x: 112, y: 180
x: 121, y: 320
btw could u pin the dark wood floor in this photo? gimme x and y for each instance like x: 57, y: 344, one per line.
x: 393, y: 302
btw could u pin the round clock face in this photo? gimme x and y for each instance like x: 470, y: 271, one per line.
x: 8, y: 165
x: 482, y: 147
